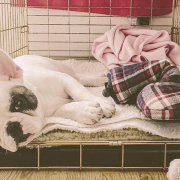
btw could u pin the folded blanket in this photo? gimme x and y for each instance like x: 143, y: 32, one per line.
x: 126, y: 116
x: 124, y: 45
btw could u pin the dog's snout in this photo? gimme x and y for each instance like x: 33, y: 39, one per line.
x: 14, y: 129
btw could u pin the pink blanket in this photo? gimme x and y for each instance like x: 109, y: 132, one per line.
x: 124, y: 45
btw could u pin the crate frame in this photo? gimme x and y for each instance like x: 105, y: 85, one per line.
x: 39, y: 145
x: 20, y: 46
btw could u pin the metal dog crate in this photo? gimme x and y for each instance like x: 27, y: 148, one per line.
x: 59, y: 32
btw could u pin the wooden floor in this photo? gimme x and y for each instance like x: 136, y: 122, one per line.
x: 82, y: 175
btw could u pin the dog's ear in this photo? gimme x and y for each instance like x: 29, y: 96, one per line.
x: 8, y: 68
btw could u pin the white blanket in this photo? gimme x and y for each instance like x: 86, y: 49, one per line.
x: 126, y: 116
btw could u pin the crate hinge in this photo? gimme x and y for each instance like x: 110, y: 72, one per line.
x: 115, y: 143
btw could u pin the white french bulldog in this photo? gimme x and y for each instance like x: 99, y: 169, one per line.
x: 34, y: 87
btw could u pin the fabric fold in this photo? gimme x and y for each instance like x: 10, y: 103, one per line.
x: 123, y: 45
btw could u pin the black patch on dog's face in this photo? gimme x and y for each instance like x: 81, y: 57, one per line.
x: 22, y: 100
x: 14, y: 129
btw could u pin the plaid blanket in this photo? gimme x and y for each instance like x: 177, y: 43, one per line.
x: 154, y: 86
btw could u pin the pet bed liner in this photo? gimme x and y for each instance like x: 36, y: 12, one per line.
x: 127, y: 131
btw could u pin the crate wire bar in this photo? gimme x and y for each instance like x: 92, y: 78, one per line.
x: 80, y: 48
x: 48, y: 30
x: 13, y: 27
x: 21, y: 32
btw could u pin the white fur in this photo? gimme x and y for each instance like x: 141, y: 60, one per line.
x: 174, y: 170
x: 59, y: 93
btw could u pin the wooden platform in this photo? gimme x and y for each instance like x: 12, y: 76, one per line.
x: 83, y: 175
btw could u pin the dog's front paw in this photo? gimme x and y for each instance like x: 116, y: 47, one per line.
x: 7, y: 142
x: 107, y: 106
x: 29, y: 126
x: 90, y: 113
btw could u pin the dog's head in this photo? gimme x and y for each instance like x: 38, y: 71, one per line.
x: 20, y: 110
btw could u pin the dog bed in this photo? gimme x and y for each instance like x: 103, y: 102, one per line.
x: 134, y: 125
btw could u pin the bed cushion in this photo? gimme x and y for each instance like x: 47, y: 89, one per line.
x: 129, y: 80
x: 161, y: 100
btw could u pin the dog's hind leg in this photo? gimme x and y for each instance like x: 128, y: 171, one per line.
x: 93, y: 80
